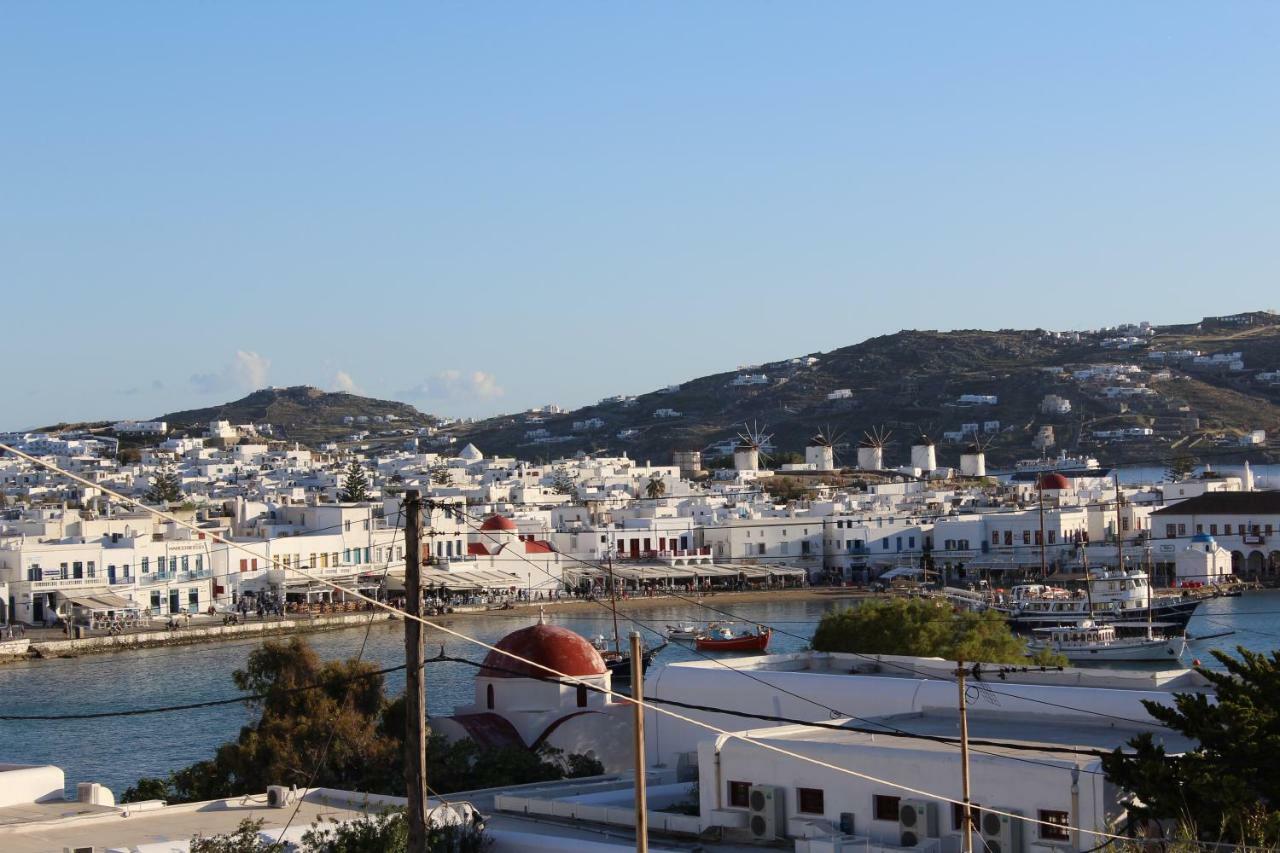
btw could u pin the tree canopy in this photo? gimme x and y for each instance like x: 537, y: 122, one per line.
x: 332, y: 718
x: 1227, y: 788
x: 166, y: 487
x: 355, y: 485
x: 922, y: 628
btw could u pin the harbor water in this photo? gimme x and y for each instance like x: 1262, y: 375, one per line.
x: 118, y: 750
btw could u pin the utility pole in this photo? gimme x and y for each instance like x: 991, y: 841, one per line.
x: 1044, y: 567
x: 415, y: 688
x: 637, y: 693
x: 964, y: 759
x: 1119, y: 538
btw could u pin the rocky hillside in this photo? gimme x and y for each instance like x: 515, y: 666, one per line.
x: 305, y: 414
x: 915, y: 381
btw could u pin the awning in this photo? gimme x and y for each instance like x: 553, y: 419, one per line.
x: 101, y: 599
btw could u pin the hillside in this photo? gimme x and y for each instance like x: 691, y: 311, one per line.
x: 302, y: 413
x: 913, y: 381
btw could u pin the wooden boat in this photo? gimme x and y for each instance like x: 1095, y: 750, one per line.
x: 619, y: 662
x: 1089, y: 641
x: 726, y: 641
x: 690, y: 630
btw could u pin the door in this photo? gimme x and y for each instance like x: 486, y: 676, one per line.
x: 175, y: 605
x: 37, y: 610
x: 111, y: 575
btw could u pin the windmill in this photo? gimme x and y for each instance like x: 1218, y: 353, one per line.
x: 923, y: 453
x: 750, y: 450
x: 871, y: 449
x: 973, y: 462
x: 823, y: 449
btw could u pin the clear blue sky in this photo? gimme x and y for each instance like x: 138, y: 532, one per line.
x: 478, y: 207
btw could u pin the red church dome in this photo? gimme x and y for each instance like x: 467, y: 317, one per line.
x: 1053, y: 481
x: 551, y: 646
x: 498, y: 522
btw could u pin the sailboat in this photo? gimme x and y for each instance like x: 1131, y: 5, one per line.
x: 617, y: 661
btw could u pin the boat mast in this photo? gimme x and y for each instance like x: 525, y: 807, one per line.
x: 613, y: 602
x: 1088, y: 580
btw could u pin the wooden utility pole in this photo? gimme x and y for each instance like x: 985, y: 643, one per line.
x: 1044, y: 565
x: 1119, y: 538
x: 415, y: 688
x: 637, y: 693
x: 964, y: 759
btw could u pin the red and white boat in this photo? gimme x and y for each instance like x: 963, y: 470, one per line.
x: 724, y: 640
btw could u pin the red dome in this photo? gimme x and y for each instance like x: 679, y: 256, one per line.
x: 498, y: 522
x: 557, y: 648
x: 1054, y: 481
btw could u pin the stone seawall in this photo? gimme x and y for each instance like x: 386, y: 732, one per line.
x: 183, y: 636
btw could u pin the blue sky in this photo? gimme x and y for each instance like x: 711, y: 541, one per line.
x: 478, y: 207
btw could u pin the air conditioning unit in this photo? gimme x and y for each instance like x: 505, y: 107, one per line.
x: 768, y: 813
x: 917, y: 820
x: 1001, y: 833
x: 277, y: 796
x: 79, y: 849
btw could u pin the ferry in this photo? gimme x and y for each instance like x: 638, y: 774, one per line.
x: 1062, y: 463
x: 1090, y: 641
x: 1114, y: 596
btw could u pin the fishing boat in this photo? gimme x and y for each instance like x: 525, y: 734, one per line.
x: 619, y: 662
x: 1090, y: 641
x: 690, y: 630
x: 724, y: 640
x: 1109, y: 596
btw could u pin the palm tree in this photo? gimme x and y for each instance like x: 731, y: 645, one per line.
x: 657, y: 487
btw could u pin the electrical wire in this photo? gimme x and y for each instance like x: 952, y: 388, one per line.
x: 618, y: 696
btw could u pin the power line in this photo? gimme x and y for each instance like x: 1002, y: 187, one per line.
x: 664, y: 711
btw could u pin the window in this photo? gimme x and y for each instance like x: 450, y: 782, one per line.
x: 1182, y: 530
x: 1170, y: 531
x: 146, y: 565
x: 1026, y: 537
x: 740, y: 794
x: 488, y: 697
x: 1054, y: 826
x: 786, y: 548
x: 1213, y: 530
x: 1226, y: 529
x: 1053, y: 537
x: 809, y: 801
x: 995, y: 537
x: 760, y: 548
x: 1124, y: 525
x: 884, y: 807
x: 1008, y: 537
x: 582, y: 695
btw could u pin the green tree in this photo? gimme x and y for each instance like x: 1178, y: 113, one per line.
x: 441, y: 476
x: 245, y: 839
x: 166, y: 487
x: 656, y: 487
x: 563, y: 482
x: 922, y: 628
x: 355, y: 485
x: 333, y: 719
x: 1228, y: 787
x: 1181, y: 467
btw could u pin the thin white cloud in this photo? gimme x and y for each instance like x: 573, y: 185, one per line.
x: 247, y: 370
x: 342, y: 381
x: 457, y: 385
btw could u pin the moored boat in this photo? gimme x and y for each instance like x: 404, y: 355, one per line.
x: 724, y: 640
x: 1113, y: 596
x: 1090, y: 641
